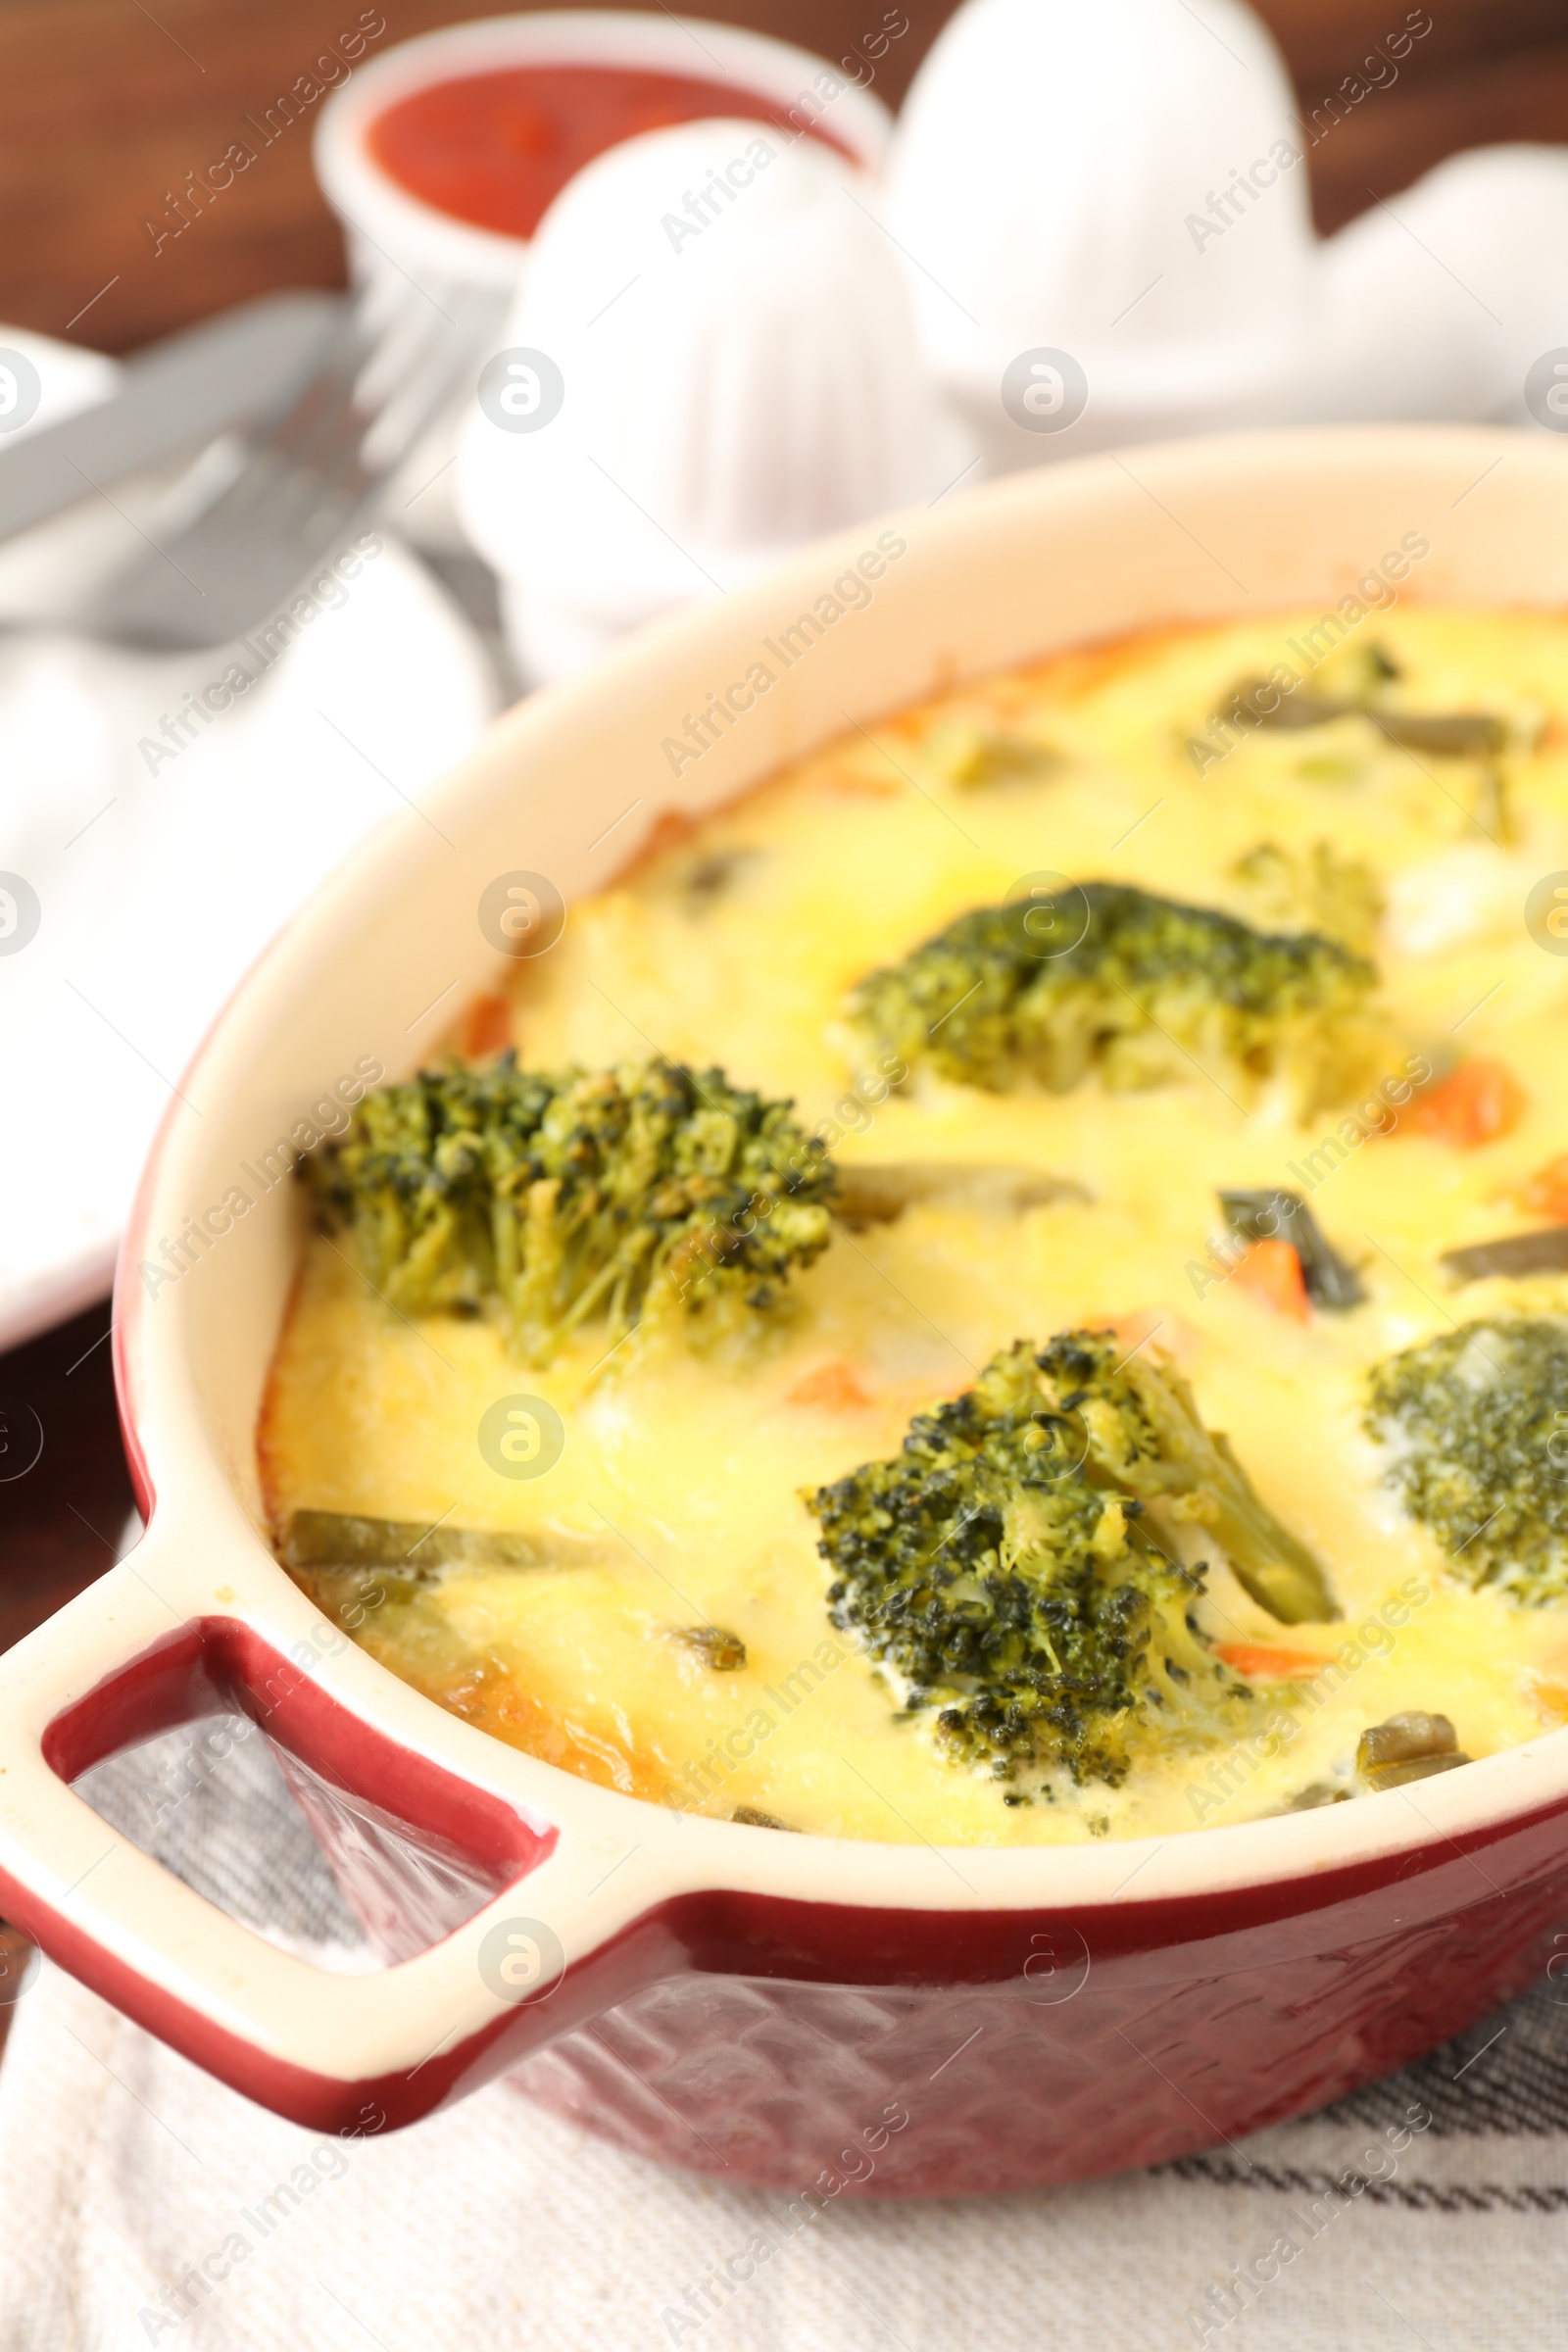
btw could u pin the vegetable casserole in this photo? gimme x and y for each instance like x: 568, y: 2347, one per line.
x: 1008, y: 1286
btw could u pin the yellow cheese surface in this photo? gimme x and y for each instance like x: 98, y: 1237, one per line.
x: 676, y: 1500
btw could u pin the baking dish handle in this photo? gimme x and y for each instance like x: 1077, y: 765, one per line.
x: 119, y: 1664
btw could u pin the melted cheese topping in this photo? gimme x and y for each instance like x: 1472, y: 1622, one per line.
x: 676, y: 1502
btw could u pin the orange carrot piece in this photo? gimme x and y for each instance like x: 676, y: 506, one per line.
x: 486, y: 1028
x: 1272, y: 1272
x: 1478, y: 1102
x: 833, y: 1386
x: 1264, y: 1664
x: 1546, y: 1192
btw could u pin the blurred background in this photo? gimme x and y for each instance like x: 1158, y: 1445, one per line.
x: 106, y: 106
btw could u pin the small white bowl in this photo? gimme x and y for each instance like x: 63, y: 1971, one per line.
x: 387, y: 226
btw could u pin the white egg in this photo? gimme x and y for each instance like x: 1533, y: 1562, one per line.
x: 1124, y: 183
x: 1440, y: 301
x: 739, y: 373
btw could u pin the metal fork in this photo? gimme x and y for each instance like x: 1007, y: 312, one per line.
x: 238, y: 535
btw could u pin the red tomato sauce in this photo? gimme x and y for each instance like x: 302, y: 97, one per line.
x: 495, y: 148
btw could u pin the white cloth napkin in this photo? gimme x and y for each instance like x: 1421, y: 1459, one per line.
x: 145, y: 2204
x: 130, y: 2182
x: 165, y: 849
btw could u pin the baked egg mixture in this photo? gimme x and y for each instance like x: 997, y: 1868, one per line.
x: 1292, y: 1168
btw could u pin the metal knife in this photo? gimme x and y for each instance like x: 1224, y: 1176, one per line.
x: 172, y: 397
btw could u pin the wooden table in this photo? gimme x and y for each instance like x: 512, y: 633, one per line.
x: 105, y: 105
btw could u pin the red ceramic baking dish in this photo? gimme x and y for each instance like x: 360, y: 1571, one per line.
x: 788, y: 2010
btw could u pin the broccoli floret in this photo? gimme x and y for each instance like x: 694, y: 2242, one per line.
x: 1004, y: 1569
x: 575, y: 1195
x: 1477, y: 1420
x: 1146, y: 1438
x: 1103, y: 977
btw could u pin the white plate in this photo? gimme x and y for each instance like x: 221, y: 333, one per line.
x: 160, y: 877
